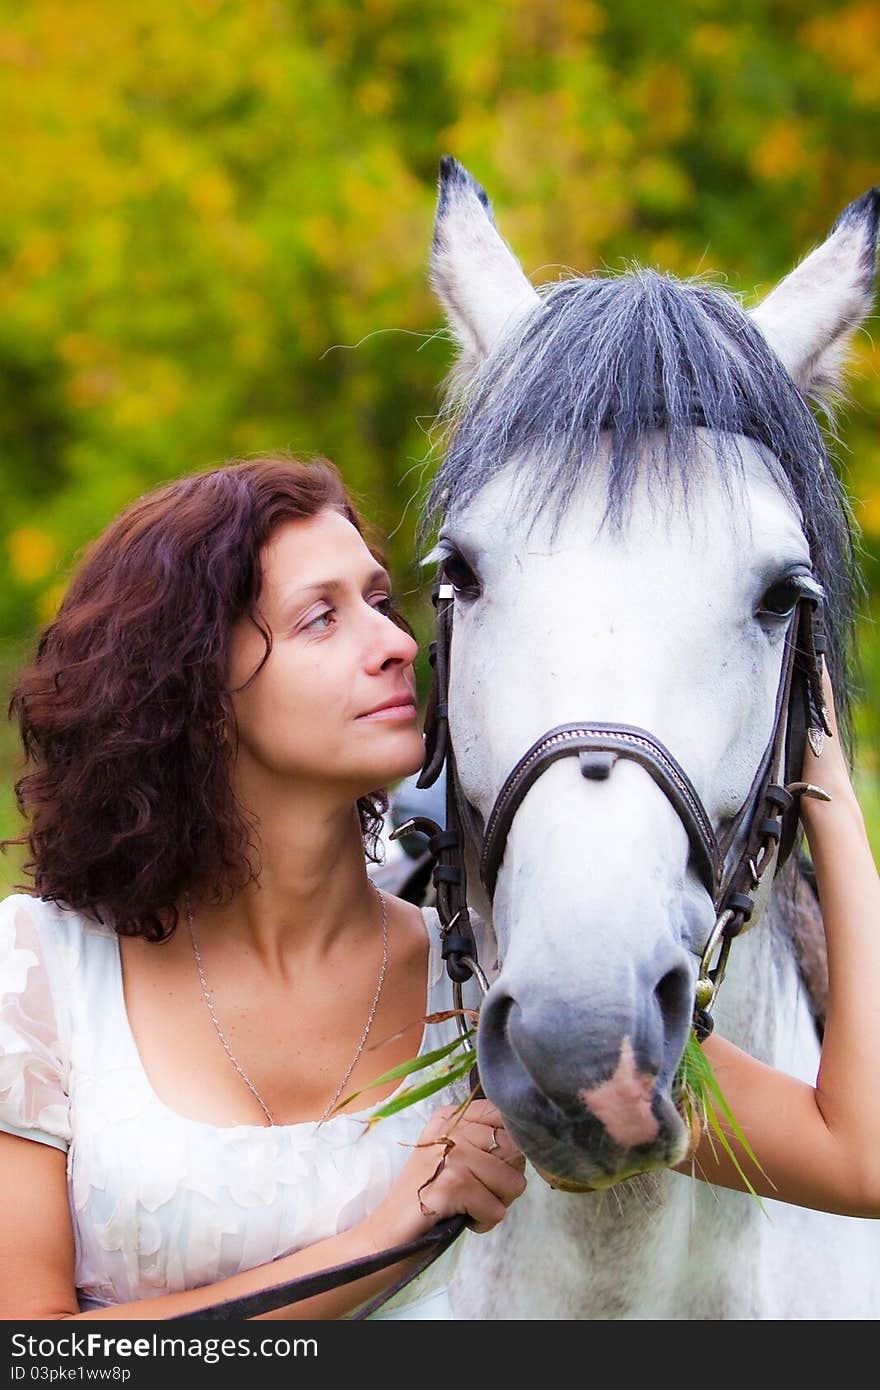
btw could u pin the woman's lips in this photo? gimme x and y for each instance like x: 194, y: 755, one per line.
x: 406, y: 711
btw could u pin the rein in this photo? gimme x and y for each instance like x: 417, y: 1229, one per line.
x: 431, y: 1245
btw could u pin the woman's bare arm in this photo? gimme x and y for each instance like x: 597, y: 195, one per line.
x: 37, y: 1255
x: 37, y: 1260
x: 820, y: 1146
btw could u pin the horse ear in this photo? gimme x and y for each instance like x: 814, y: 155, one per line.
x: 810, y: 317
x: 474, y: 273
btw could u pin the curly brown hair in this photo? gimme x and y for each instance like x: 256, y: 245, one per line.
x: 128, y: 796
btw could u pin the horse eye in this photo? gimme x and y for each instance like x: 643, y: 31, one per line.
x: 460, y: 575
x: 780, y: 599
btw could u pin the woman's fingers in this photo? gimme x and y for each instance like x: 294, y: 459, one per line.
x: 498, y: 1176
x: 828, y: 768
x: 464, y: 1163
x: 494, y: 1140
x: 482, y: 1125
x: 480, y: 1186
x: 478, y: 1169
x: 828, y: 692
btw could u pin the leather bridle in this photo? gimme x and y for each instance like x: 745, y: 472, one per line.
x: 767, y: 821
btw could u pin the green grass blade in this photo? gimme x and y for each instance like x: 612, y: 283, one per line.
x: 701, y: 1070
x: 699, y: 1088
x: 416, y: 1093
x: 427, y: 1059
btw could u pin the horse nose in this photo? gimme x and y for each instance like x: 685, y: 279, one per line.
x: 553, y: 1050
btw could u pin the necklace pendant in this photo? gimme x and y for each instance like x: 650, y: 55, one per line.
x: 817, y: 740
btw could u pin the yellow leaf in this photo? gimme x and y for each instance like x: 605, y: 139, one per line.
x: 211, y: 193
x: 91, y: 387
x: 31, y: 553
x: 781, y: 153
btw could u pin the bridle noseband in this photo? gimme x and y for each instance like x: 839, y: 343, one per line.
x: 767, y: 819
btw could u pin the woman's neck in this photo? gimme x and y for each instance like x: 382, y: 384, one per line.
x: 312, y: 889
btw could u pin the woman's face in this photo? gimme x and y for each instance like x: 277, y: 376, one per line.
x: 336, y: 656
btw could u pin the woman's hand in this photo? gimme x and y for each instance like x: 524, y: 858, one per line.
x: 464, y: 1163
x: 829, y: 770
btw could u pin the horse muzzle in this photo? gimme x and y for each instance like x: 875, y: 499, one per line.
x: 585, y: 1117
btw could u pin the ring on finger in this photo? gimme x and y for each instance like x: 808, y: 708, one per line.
x: 494, y: 1145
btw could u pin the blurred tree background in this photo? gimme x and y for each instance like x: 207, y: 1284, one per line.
x: 215, y: 218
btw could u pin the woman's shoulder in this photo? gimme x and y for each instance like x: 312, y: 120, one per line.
x: 40, y: 953
x: 48, y: 914
x: 35, y: 930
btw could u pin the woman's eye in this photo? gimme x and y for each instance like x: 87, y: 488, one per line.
x: 323, y: 621
x: 780, y: 599
x: 460, y: 575
x: 321, y: 618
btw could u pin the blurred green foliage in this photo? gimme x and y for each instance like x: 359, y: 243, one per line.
x: 215, y: 218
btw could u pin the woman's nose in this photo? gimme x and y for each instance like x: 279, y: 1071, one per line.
x: 393, y: 643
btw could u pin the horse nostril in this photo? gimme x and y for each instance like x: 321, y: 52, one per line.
x: 494, y: 1015
x: 674, y: 995
x: 494, y: 1043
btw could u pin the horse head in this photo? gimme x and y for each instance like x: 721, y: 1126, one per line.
x: 634, y: 499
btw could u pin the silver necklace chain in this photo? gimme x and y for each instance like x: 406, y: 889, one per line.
x: 208, y: 997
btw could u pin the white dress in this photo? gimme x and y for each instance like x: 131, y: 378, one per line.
x: 161, y: 1203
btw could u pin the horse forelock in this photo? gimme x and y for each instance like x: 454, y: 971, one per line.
x: 644, y: 356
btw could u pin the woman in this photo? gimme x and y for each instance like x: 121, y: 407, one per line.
x: 211, y: 691
x: 208, y: 717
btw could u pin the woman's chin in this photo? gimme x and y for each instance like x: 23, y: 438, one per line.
x: 396, y: 761
x: 404, y: 756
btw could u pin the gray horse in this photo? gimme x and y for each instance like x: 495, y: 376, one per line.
x: 634, y: 494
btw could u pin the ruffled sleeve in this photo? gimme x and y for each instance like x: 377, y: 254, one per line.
x: 34, y: 1066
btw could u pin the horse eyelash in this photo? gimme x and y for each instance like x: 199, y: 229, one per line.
x: 435, y: 556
